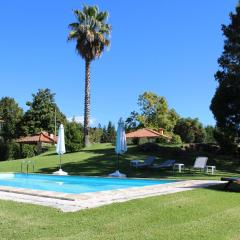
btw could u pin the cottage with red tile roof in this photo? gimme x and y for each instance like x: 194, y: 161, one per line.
x: 39, y: 139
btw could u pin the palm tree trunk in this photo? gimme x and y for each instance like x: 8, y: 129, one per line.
x: 87, y: 104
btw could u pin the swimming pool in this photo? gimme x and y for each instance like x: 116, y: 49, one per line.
x: 72, y: 184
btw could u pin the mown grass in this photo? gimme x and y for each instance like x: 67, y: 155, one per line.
x: 198, y: 214
x: 100, y: 160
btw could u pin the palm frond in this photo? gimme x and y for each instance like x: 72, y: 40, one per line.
x: 90, y: 31
x: 93, y: 11
x: 73, y: 26
x: 102, y: 16
x: 73, y: 35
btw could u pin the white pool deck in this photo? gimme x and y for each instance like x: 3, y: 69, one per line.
x: 76, y: 202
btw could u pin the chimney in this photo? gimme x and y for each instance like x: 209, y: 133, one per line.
x: 161, y: 131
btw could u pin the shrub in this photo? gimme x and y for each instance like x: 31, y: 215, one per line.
x: 226, y: 142
x: 28, y: 151
x: 176, y: 139
x: 10, y: 150
x: 148, y: 147
x: 95, y: 135
x: 162, y: 140
x: 3, y: 151
x: 143, y: 141
x: 74, y: 137
x: 135, y: 141
x: 13, y: 151
x: 73, y: 147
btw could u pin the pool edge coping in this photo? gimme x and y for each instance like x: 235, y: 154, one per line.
x: 75, y: 202
x: 77, y: 196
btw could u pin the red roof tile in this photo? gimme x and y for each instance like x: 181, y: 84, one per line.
x: 40, y: 137
x: 146, y: 133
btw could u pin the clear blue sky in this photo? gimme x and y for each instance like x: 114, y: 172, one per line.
x: 168, y: 47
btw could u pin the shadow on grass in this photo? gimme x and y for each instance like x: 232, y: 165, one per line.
x: 221, y: 187
x: 104, y: 162
x: 54, y: 154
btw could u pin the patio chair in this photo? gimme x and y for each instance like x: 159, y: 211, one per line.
x: 200, y: 163
x: 164, y: 165
x: 230, y: 181
x: 146, y: 163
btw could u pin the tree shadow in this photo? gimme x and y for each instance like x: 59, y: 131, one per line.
x: 54, y: 154
x: 221, y: 187
x: 105, y: 162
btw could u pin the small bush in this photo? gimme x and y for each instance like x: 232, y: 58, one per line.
x: 162, y: 140
x: 74, y: 137
x: 28, y: 151
x: 226, y: 142
x: 13, y: 151
x: 143, y: 141
x: 148, y: 147
x: 73, y: 147
x: 176, y: 139
x: 135, y: 141
x: 10, y: 150
x: 3, y: 151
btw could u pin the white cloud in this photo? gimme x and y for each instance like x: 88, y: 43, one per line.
x: 80, y: 119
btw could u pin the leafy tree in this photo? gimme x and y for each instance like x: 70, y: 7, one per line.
x: 154, y: 113
x: 12, y: 115
x: 132, y: 122
x: 41, y: 113
x: 225, y: 104
x: 91, y: 33
x: 210, y: 131
x: 74, y: 136
x: 96, y: 134
x: 190, y: 130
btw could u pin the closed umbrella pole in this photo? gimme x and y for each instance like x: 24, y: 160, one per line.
x: 60, y: 165
x: 121, y: 147
x: 117, y: 161
x: 60, y: 149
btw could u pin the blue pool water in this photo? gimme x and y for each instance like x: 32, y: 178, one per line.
x: 72, y: 184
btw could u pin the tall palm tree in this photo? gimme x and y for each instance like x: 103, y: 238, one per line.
x: 91, y: 33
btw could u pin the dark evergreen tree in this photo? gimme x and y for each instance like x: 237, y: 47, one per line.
x: 104, y: 138
x: 41, y: 113
x: 108, y: 133
x: 111, y: 132
x: 12, y: 115
x: 225, y: 104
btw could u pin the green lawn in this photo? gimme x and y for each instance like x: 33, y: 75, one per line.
x: 199, y: 214
x: 99, y: 160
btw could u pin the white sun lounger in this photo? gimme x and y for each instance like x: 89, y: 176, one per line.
x: 200, y: 163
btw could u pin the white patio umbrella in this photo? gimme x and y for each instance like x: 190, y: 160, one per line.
x: 121, y: 147
x: 60, y: 149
